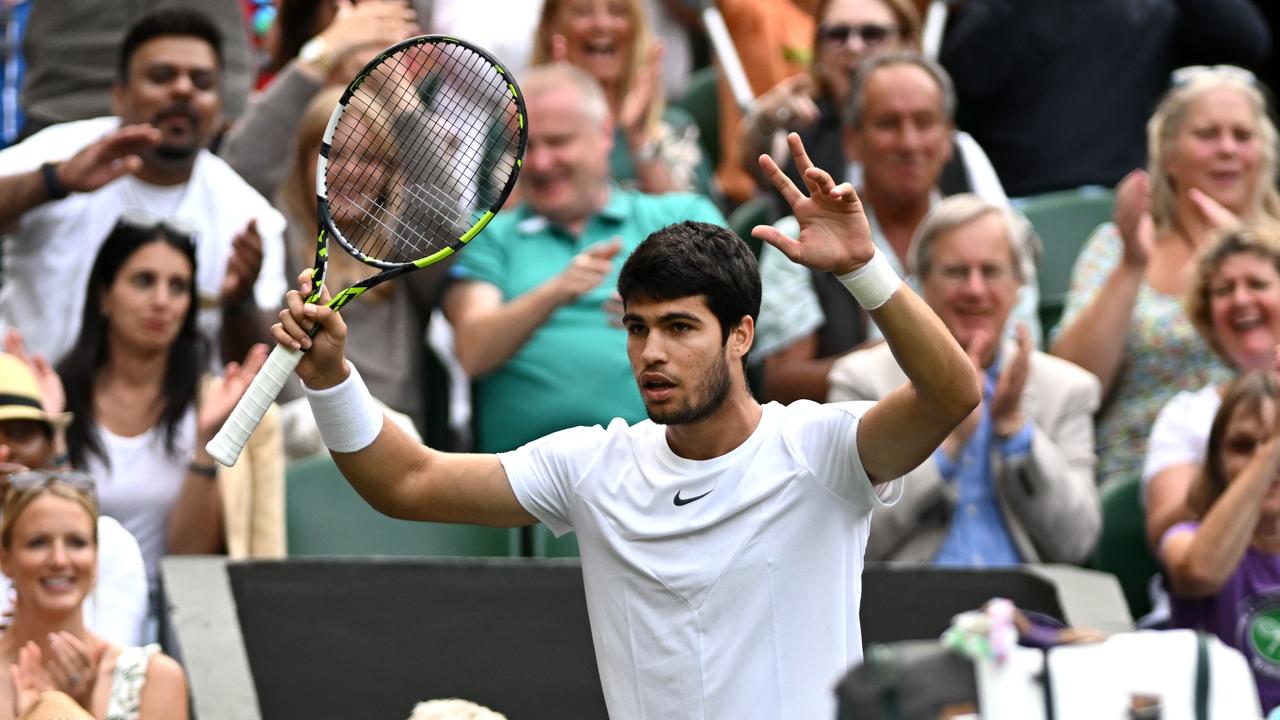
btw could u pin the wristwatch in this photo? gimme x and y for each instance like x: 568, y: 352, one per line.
x: 317, y: 54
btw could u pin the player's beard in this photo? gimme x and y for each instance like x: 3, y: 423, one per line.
x: 711, y: 390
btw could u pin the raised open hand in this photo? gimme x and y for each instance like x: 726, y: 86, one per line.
x: 586, y: 271
x: 29, y: 678
x: 1006, y: 399
x: 1132, y: 217
x: 834, y: 233
x: 243, y: 266
x: 222, y: 395
x: 53, y: 398
x: 633, y: 115
x: 106, y: 159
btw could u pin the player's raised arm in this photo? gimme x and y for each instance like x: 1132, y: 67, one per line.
x: 390, y: 470
x: 908, y: 424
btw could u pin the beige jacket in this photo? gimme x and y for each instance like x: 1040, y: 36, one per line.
x: 1048, y: 497
x: 253, y: 494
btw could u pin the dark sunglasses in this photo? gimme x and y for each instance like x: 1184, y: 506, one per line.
x: 40, y: 479
x: 871, y: 34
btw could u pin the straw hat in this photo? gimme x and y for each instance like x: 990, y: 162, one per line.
x: 20, y: 394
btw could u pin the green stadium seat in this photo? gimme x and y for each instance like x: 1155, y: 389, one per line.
x: 325, y: 516
x: 756, y: 211
x: 1063, y: 220
x: 1122, y: 548
x: 702, y: 101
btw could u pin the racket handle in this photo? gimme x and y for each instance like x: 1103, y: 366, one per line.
x: 225, y: 447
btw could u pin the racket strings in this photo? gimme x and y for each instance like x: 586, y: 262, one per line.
x: 423, y: 150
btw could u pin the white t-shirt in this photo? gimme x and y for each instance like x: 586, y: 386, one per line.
x: 142, y: 483
x: 718, y: 589
x: 117, y: 607
x: 48, y: 259
x: 1181, y: 431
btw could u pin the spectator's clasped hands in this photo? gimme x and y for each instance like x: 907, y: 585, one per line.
x: 834, y: 233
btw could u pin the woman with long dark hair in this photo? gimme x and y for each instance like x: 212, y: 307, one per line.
x: 132, y: 382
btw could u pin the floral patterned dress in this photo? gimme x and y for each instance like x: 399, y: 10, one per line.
x: 1163, y: 354
x: 127, y: 680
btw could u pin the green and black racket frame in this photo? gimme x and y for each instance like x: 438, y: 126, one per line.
x: 422, y: 150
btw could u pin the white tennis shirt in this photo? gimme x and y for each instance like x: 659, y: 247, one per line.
x: 724, y: 589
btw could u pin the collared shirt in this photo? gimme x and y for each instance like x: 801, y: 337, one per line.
x: 789, y: 305
x: 978, y: 535
x: 574, y: 369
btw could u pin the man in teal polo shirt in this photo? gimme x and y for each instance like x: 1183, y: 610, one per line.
x: 528, y: 305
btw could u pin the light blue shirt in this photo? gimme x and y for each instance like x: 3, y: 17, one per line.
x: 978, y: 536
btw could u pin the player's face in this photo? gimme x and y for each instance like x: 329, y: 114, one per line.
x: 682, y: 366
x: 971, y: 283
x: 905, y: 138
x: 148, y: 300
x: 52, y: 558
x: 1244, y: 308
x: 566, y: 164
x: 172, y: 84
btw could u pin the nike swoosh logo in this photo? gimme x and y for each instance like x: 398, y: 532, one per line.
x: 679, y: 501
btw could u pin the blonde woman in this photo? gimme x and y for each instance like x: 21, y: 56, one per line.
x: 655, y: 147
x: 1211, y: 148
x: 49, y: 549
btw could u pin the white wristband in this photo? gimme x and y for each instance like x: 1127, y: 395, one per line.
x: 346, y: 415
x: 873, y: 283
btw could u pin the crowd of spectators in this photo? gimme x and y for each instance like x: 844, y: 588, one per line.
x: 157, y: 200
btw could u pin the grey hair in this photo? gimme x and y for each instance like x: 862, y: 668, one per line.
x: 557, y: 74
x: 855, y: 106
x: 962, y: 209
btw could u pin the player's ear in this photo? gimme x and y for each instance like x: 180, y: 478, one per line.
x: 742, y: 336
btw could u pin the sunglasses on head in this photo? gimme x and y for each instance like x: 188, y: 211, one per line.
x: 146, y: 221
x: 40, y: 479
x: 870, y: 33
x: 1183, y: 75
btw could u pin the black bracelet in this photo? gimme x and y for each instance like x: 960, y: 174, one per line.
x: 53, y: 187
x: 207, y: 471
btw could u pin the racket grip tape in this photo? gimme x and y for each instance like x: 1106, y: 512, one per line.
x: 226, y: 446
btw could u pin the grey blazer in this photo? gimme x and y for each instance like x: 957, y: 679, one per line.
x: 1048, y: 497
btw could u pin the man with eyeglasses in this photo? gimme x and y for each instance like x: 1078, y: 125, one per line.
x: 32, y: 448
x: 66, y: 186
x: 1014, y: 482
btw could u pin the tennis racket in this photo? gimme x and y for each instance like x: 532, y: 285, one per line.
x: 422, y: 150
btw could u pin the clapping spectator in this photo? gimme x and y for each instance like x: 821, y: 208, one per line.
x: 655, y: 147
x: 132, y: 381
x: 1213, y: 159
x: 1223, y: 568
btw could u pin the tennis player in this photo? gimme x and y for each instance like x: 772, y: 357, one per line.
x: 721, y: 540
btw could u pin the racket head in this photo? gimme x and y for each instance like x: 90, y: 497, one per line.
x: 422, y: 150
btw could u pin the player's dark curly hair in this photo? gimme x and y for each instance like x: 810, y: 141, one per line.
x: 696, y: 258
